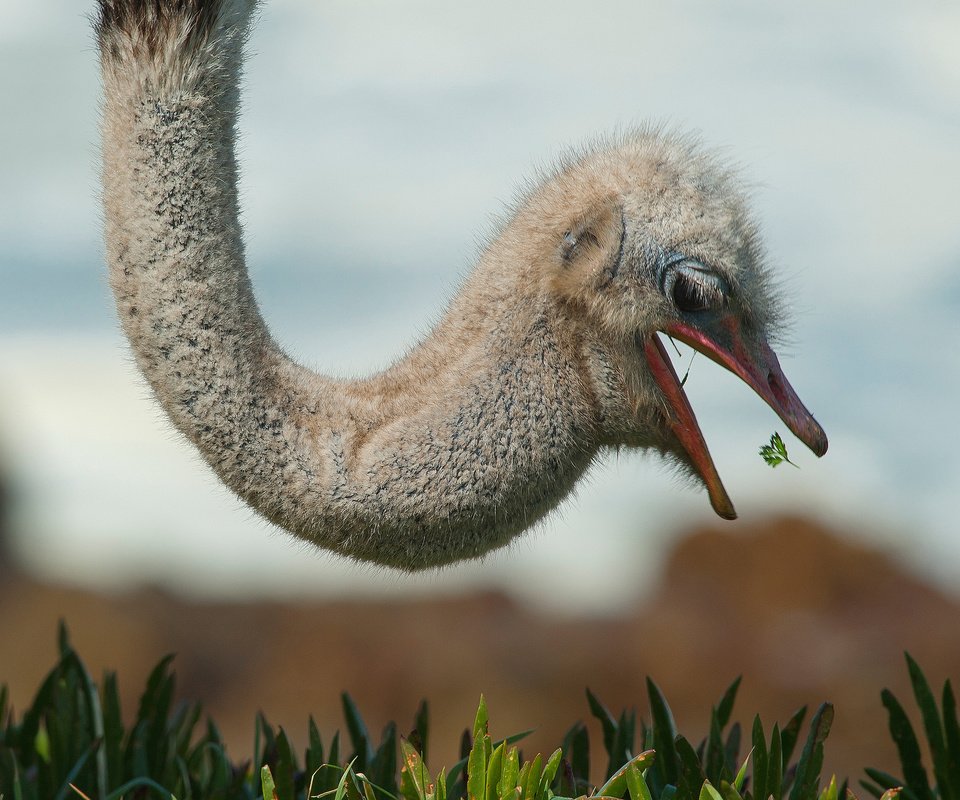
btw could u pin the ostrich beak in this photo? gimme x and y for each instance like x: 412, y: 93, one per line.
x: 756, y: 365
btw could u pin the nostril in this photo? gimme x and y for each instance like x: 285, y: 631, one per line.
x: 777, y: 388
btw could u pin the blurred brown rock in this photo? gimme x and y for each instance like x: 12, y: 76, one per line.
x: 6, y: 558
x: 805, y: 616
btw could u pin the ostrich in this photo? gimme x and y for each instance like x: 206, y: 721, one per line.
x: 548, y: 355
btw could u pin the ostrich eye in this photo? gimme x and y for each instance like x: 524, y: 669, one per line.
x: 688, y: 294
x: 693, y: 288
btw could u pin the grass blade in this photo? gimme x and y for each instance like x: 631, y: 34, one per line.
x: 616, y: 785
x: 914, y: 774
x: 952, y: 736
x: 932, y: 725
x: 811, y: 759
x: 664, y: 734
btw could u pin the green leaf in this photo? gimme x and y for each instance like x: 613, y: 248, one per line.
x: 777, y: 760
x: 636, y: 784
x: 790, y: 734
x: 738, y: 781
x: 481, y: 721
x: 729, y: 791
x: 761, y: 784
x: 831, y: 790
x: 284, y: 768
x: 415, y: 781
x: 576, y: 745
x: 811, y: 759
x: 550, y: 770
x: 383, y: 767
x: 494, y: 770
x: 952, y: 736
x: 948, y: 779
x: 607, y: 724
x: 664, y: 734
x: 908, y: 748
x: 692, y: 777
x: 359, y: 736
x: 266, y: 783
x: 616, y: 785
x: 421, y: 727
x: 532, y: 782
x: 477, y: 766
x: 441, y: 792
x: 775, y: 453
x: 724, y: 708
x: 708, y: 792
x: 883, y: 780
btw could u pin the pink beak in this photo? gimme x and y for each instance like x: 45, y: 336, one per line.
x: 758, y: 367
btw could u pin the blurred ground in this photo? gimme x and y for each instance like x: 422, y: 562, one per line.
x: 804, y: 615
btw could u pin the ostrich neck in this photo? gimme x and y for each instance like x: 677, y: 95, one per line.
x: 454, y: 450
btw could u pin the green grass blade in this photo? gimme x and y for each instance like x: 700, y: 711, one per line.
x: 790, y: 734
x: 732, y: 746
x: 664, y: 734
x: 72, y: 775
x: 883, y: 780
x: 576, y: 746
x: 607, y: 723
x: 715, y: 753
x: 725, y: 707
x: 831, y: 790
x: 113, y: 728
x: 532, y: 782
x: 421, y: 729
x: 550, y: 770
x: 621, y: 750
x: 494, y: 770
x: 741, y: 776
x: 383, y: 767
x: 952, y: 736
x: 636, y: 783
x: 359, y: 736
x: 414, y: 776
x: 477, y: 766
x: 729, y: 791
x: 441, y: 790
x: 708, y: 792
x: 776, y: 764
x: 692, y: 778
x: 914, y: 774
x: 761, y: 788
x: 510, y: 774
x: 284, y: 767
x: 616, y: 784
x: 933, y: 727
x: 811, y: 759
x: 481, y: 721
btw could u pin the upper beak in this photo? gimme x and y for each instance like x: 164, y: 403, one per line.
x: 756, y: 364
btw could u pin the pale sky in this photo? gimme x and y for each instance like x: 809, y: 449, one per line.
x: 379, y: 139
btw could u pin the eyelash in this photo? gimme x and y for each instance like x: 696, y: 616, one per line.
x: 693, y: 288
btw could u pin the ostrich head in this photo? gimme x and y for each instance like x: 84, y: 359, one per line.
x: 649, y: 237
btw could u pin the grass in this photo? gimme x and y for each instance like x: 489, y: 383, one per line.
x: 73, y: 742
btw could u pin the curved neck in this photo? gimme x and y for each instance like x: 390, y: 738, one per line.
x: 474, y: 436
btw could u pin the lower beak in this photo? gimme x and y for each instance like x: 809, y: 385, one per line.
x: 757, y: 366
x: 684, y: 425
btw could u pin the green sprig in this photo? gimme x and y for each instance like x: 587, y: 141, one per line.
x: 775, y: 453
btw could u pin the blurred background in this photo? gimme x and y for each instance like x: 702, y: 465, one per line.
x: 379, y: 141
